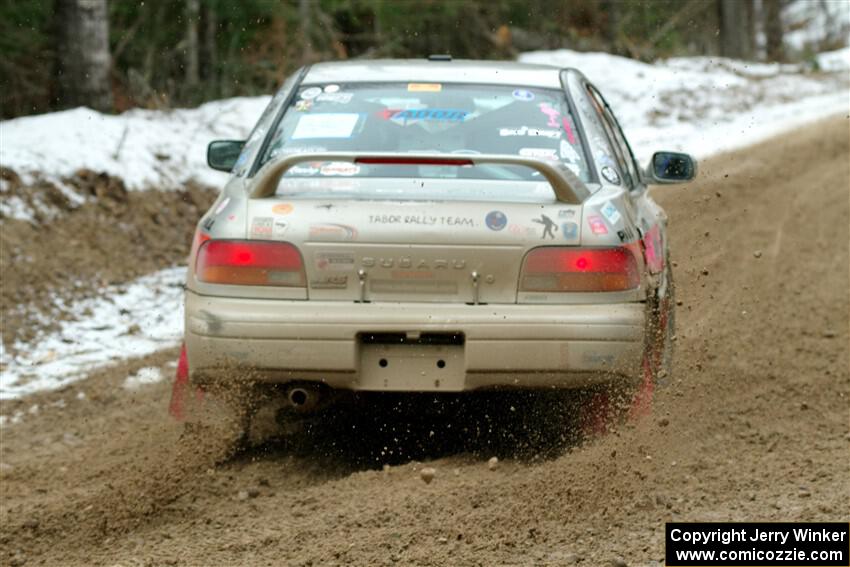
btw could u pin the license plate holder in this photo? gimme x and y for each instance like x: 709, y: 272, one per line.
x: 412, y: 368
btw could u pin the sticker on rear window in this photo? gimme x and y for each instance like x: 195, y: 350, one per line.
x: 325, y: 125
x: 334, y: 97
x: 340, y: 168
x: 533, y: 132
x: 540, y: 153
x: 424, y: 87
x: 312, y: 92
x: 433, y: 114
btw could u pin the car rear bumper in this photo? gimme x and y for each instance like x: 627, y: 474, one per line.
x: 520, y: 346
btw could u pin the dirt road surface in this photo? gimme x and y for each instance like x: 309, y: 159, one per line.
x: 752, y: 426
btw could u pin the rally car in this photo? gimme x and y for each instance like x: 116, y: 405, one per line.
x: 431, y: 226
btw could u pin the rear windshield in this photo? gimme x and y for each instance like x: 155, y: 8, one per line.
x: 428, y: 117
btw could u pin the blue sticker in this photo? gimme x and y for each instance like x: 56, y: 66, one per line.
x: 569, y: 230
x: 522, y: 94
x: 432, y: 114
x: 496, y: 220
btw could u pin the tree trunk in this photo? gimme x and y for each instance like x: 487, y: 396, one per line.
x: 305, y: 20
x: 611, y: 13
x: 193, y: 11
x: 210, y: 66
x: 83, y: 60
x: 734, y: 29
x: 773, y: 30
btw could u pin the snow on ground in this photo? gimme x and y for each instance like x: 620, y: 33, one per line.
x: 705, y: 105
x: 701, y: 105
x: 146, y: 148
x: 145, y: 376
x: 126, y: 321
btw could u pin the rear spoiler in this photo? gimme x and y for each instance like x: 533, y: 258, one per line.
x: 566, y: 184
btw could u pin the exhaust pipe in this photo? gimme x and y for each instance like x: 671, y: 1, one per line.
x: 303, y: 399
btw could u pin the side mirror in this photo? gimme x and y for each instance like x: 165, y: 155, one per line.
x: 223, y: 154
x: 671, y: 167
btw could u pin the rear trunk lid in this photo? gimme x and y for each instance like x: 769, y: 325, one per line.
x: 427, y: 251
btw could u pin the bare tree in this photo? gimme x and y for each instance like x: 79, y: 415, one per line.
x: 773, y: 30
x: 193, y: 14
x: 83, y: 60
x: 735, y: 40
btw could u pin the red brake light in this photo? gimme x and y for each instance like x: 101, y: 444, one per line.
x: 579, y: 269
x: 249, y: 262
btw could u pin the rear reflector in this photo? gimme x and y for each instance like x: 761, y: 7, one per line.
x: 250, y: 262
x: 579, y: 269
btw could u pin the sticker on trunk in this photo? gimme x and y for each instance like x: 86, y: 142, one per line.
x: 569, y: 230
x: 222, y: 205
x: 496, y: 220
x: 262, y: 226
x: 279, y: 228
x: 329, y: 282
x: 332, y: 231
x: 610, y: 212
x: 334, y: 261
x: 597, y: 225
x: 282, y: 209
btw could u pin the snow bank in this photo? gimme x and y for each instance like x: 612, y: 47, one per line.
x: 834, y: 61
x: 706, y: 105
x: 146, y: 148
x: 133, y: 320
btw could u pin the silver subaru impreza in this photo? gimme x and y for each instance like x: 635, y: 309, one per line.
x: 432, y: 226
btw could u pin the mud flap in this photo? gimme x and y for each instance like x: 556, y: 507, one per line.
x: 181, y: 387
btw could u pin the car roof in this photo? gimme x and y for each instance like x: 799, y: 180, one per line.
x: 423, y: 70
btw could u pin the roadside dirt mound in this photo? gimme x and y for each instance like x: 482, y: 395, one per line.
x: 72, y: 251
x: 752, y: 426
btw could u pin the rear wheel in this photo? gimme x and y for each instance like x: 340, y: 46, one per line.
x: 604, y: 407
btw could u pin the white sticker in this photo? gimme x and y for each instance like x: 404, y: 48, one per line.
x: 568, y: 152
x: 338, y: 98
x: 325, y: 125
x: 611, y: 174
x: 334, y: 261
x: 279, y: 228
x: 610, y: 212
x: 331, y: 88
x: 340, y: 168
x: 526, y: 131
x: 222, y: 205
x: 303, y: 170
x: 522, y: 94
x: 542, y: 153
x: 312, y: 92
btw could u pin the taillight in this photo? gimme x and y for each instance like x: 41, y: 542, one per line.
x: 250, y: 262
x: 579, y: 269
